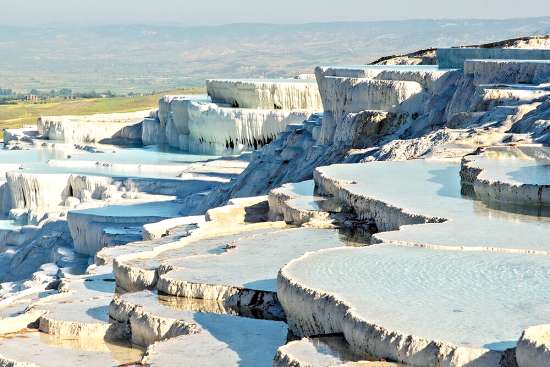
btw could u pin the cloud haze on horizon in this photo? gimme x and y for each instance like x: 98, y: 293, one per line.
x: 90, y: 12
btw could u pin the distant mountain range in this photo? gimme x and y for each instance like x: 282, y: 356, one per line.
x: 149, y: 57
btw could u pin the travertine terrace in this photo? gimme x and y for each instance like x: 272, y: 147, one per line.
x: 380, y: 215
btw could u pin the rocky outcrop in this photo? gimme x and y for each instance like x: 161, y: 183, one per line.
x: 170, y: 126
x: 101, y: 128
x: 218, y: 130
x: 297, y: 205
x: 508, y: 71
x: 449, y: 58
x: 37, y: 191
x: 527, y: 163
x: 352, y: 95
x: 328, y: 351
x: 269, y: 94
x: 247, y: 115
x: 89, y: 227
x: 534, y: 347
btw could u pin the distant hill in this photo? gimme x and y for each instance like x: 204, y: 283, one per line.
x: 148, y: 57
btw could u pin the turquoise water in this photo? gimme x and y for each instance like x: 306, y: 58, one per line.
x: 109, y: 161
x: 145, y: 155
x: 9, y: 225
x: 167, y: 209
x: 31, y: 155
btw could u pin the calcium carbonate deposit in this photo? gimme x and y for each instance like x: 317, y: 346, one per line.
x: 381, y: 215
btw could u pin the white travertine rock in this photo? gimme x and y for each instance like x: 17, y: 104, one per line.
x: 536, y: 124
x: 31, y: 247
x: 36, y: 349
x: 15, y: 313
x: 152, y: 132
x: 480, y: 258
x: 170, y: 126
x: 508, y: 71
x: 284, y: 94
x: 328, y: 351
x: 173, y: 111
x: 87, y: 226
x: 363, y: 129
x: 174, y: 230
x: 194, y: 124
x: 457, y: 56
x: 426, y: 75
x: 296, y: 204
x: 93, y: 128
x: 37, y: 191
x: 216, y: 130
x: 420, y: 112
x: 81, y: 311
x: 351, y: 95
x: 146, y: 320
x: 533, y: 348
x: 222, y: 342
x: 154, y: 231
x: 43, y: 191
x: 427, y: 214
x: 24, y: 134
x: 493, y: 95
x: 511, y: 174
x: 185, y: 336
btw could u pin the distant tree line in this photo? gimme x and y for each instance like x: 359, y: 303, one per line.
x: 8, y: 96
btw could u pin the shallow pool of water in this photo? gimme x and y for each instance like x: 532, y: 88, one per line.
x: 475, y: 299
x: 48, y: 351
x: 515, y: 165
x: 433, y: 189
x: 108, y: 160
x: 253, y: 260
x: 166, y: 209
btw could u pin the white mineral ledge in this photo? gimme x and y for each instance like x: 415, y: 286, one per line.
x: 197, y: 338
x: 324, y: 351
x: 516, y: 175
x: 81, y: 311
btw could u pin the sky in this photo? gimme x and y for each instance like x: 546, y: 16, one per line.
x: 214, y: 12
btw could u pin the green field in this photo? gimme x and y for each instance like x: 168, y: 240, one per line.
x: 25, y: 113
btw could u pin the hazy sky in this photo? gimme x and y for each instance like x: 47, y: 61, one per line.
x: 207, y: 12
